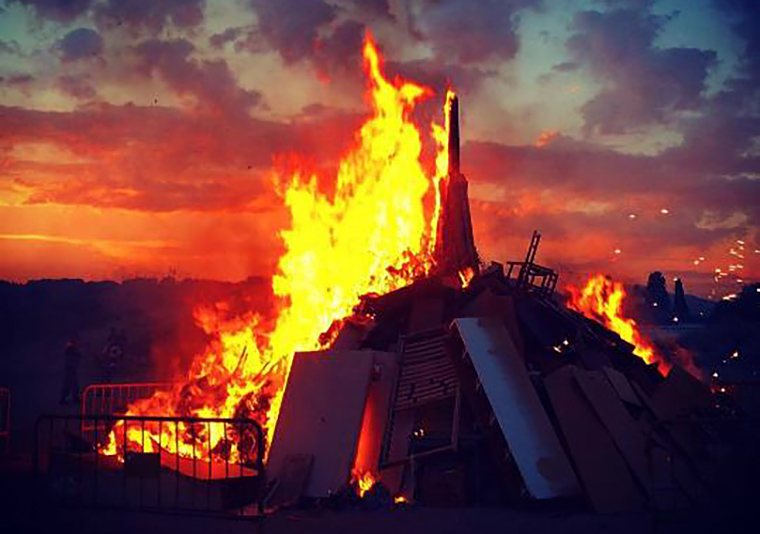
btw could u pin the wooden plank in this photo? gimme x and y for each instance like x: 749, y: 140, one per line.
x: 601, y: 468
x: 524, y: 424
x: 622, y: 386
x: 622, y: 428
x: 321, y: 414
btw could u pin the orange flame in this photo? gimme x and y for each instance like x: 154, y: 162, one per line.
x: 602, y: 300
x: 465, y: 276
x: 371, y: 235
x: 364, y: 481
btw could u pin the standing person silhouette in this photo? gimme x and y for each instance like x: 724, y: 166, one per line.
x: 71, y: 356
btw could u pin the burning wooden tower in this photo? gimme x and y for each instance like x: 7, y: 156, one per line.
x: 455, y: 245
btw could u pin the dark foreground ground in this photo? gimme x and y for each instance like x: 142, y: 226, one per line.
x: 24, y: 511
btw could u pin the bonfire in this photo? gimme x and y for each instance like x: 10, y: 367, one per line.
x: 375, y: 232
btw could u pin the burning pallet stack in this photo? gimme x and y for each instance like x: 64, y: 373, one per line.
x: 476, y: 384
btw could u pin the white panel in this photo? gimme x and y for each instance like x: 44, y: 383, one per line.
x: 542, y: 463
x: 321, y: 415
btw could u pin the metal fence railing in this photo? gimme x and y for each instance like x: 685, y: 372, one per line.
x: 5, y: 418
x: 71, y: 468
x: 113, y: 399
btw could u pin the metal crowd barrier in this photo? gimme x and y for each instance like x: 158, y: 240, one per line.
x: 70, y: 470
x: 5, y: 418
x: 113, y: 399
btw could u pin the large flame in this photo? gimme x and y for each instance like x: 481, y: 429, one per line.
x: 372, y: 234
x: 602, y: 299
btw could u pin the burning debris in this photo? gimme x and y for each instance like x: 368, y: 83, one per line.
x: 397, y: 365
x: 601, y: 299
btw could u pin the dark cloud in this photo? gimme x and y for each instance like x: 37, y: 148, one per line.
x: 567, y: 170
x: 342, y: 49
x: 291, y: 26
x: 373, y: 8
x: 642, y: 83
x: 81, y: 43
x: 218, y: 40
x: 210, y: 81
x: 78, y: 86
x: 439, y: 76
x: 59, y: 10
x: 153, y: 15
x: 22, y: 82
x: 9, y: 47
x: 329, y: 34
x: 567, y: 66
x: 19, y: 79
x: 719, y: 142
x: 743, y: 91
x: 466, y: 31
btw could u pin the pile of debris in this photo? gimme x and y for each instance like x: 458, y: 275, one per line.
x: 452, y: 396
x: 478, y: 386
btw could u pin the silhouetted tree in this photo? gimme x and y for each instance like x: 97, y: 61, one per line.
x: 680, y: 308
x: 657, y: 296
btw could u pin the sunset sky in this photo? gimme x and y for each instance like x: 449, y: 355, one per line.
x: 137, y: 136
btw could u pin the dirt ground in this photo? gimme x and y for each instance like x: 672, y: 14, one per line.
x: 24, y: 511
x: 415, y: 520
